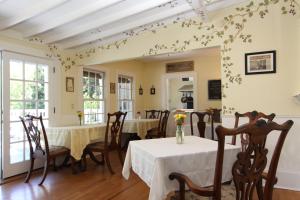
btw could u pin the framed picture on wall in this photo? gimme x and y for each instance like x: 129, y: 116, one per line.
x: 70, y: 84
x: 263, y: 62
x: 112, y: 88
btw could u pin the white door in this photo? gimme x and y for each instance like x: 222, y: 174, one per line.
x: 25, y: 91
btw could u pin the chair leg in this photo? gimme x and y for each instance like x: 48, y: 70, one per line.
x: 83, y: 161
x: 106, y: 155
x: 46, y: 166
x: 54, y: 164
x: 66, y: 160
x: 120, y: 156
x: 73, y: 163
x: 93, y: 157
x: 29, y: 170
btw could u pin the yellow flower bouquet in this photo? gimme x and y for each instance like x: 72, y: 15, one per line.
x: 79, y: 114
x: 179, y: 120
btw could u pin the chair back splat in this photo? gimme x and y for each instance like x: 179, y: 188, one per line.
x: 201, y: 124
x: 252, y: 118
x: 152, y: 114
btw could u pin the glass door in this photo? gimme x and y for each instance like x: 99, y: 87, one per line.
x: 25, y: 91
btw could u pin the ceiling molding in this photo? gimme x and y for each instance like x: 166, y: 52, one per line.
x: 29, y: 12
x: 70, y: 16
x: 113, y: 17
x: 200, y: 8
x: 131, y: 25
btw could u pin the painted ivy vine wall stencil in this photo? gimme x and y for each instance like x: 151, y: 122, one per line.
x: 53, y: 52
x: 231, y: 31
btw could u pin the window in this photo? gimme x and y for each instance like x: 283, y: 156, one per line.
x: 28, y: 95
x: 125, y: 95
x: 93, y: 97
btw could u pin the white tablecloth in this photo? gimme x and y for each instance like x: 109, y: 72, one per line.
x: 140, y: 126
x: 153, y: 160
x: 76, y: 138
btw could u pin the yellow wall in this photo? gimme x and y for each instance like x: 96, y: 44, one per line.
x: 206, y: 66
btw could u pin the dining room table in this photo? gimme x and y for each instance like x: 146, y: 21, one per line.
x: 77, y: 137
x: 153, y: 160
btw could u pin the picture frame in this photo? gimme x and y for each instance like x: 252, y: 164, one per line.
x: 70, y: 84
x: 152, y: 90
x: 263, y: 62
x: 112, y: 88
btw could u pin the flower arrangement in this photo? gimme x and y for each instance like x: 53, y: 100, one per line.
x: 179, y: 119
x: 79, y: 114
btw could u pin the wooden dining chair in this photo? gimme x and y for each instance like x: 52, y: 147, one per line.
x: 252, y: 117
x: 201, y: 124
x: 112, y: 141
x: 152, y: 114
x: 248, y: 168
x: 39, y: 147
x: 160, y: 131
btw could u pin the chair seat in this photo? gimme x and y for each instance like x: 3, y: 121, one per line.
x: 152, y: 133
x: 228, y: 193
x: 97, y: 146
x: 58, y: 150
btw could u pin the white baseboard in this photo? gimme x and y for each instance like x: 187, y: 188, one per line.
x: 288, y: 180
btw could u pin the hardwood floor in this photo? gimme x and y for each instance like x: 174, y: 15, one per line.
x: 95, y: 183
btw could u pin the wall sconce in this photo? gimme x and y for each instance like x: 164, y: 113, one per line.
x: 140, y: 90
x: 152, y: 90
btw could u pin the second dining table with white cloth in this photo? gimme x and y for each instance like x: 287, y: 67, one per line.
x: 153, y: 160
x: 76, y: 138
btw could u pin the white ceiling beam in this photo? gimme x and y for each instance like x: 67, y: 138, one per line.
x: 67, y: 17
x: 217, y: 5
x: 29, y: 12
x: 200, y: 9
x: 113, y: 17
x: 128, y: 26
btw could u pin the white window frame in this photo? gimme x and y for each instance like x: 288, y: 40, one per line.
x: 132, y: 77
x: 103, y: 74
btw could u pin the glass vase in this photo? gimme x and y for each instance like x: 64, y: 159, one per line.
x: 179, y: 134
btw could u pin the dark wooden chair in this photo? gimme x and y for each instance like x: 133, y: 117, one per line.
x: 112, y: 141
x: 160, y: 131
x: 152, y: 114
x: 39, y: 147
x: 216, y: 115
x: 252, y: 118
x: 249, y: 166
x: 201, y: 124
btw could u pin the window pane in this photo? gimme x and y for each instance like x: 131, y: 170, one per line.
x: 16, y: 90
x: 42, y: 91
x: 16, y: 69
x: 30, y: 108
x: 30, y: 90
x: 16, y: 110
x: 30, y: 71
x: 43, y: 109
x: 16, y: 152
x: 42, y: 73
x: 16, y: 132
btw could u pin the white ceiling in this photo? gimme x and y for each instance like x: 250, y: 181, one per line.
x: 76, y: 23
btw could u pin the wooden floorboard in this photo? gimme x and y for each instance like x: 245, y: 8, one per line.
x: 94, y: 184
